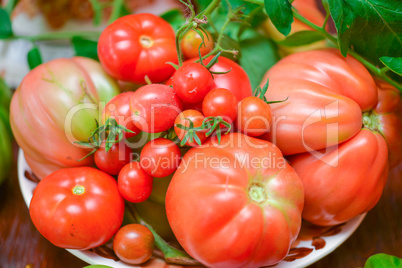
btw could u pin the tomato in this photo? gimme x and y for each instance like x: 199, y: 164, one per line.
x: 119, y: 109
x: 236, y: 80
x: 135, y: 185
x: 346, y: 181
x: 254, y: 116
x: 68, y: 208
x: 155, y: 107
x: 160, y: 157
x: 191, y: 41
x: 220, y: 102
x: 192, y: 82
x: 136, y: 46
x: 219, y: 191
x: 184, y: 119
x: 57, y: 103
x: 114, y: 159
x: 134, y: 243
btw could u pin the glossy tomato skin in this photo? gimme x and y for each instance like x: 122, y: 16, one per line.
x: 192, y: 82
x: 236, y: 80
x: 325, y: 91
x: 114, y: 159
x: 213, y: 199
x: 134, y: 243
x: 220, y: 102
x: 343, y: 181
x: 254, y: 116
x: 57, y: 103
x: 136, y: 46
x: 160, y: 157
x: 154, y: 107
x: 183, y: 119
x: 69, y: 206
x: 135, y: 185
x: 190, y: 44
x: 118, y: 108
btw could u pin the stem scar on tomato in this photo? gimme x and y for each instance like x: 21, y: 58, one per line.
x: 257, y: 193
x: 78, y: 190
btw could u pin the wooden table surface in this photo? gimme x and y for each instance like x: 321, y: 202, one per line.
x: 22, y: 246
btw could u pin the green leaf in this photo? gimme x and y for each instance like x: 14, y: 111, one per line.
x: 382, y: 260
x: 258, y: 54
x: 394, y: 64
x: 5, y: 24
x: 34, y: 58
x: 10, y: 6
x: 98, y: 12
x: 280, y: 13
x: 5, y: 95
x: 301, y: 38
x: 372, y: 28
x: 97, y: 266
x: 118, y: 6
x: 175, y: 18
x: 85, y: 48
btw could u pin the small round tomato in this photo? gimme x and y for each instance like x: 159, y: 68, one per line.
x: 135, y: 185
x: 69, y: 206
x: 136, y: 46
x: 191, y: 41
x: 220, y: 102
x: 192, y: 82
x: 134, y: 243
x: 155, y: 107
x: 114, y: 159
x: 119, y: 109
x: 160, y: 157
x: 184, y: 119
x: 254, y: 116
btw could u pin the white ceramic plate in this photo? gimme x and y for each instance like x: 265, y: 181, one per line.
x: 306, y: 250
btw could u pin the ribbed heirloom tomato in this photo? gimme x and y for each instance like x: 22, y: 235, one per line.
x: 237, y: 204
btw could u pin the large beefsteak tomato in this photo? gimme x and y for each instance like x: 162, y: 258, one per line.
x: 237, y: 204
x: 56, y: 104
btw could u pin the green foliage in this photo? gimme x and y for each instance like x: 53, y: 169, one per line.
x: 85, y: 48
x: 301, y: 38
x: 5, y: 24
x: 34, y: 58
x: 175, y: 18
x: 280, y: 13
x: 394, y: 64
x: 382, y: 260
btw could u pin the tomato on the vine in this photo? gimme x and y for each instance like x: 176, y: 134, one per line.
x: 220, y: 102
x: 160, y: 157
x: 114, y: 159
x: 134, y: 243
x: 67, y: 208
x: 136, y: 46
x: 192, y: 82
x: 135, y: 185
x: 155, y: 107
x: 191, y: 41
x: 184, y: 119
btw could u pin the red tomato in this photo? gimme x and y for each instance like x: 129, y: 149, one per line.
x: 155, y: 107
x: 192, y: 82
x: 119, y: 109
x: 136, y: 46
x: 183, y: 119
x: 69, y: 206
x: 160, y: 157
x: 343, y: 182
x: 134, y: 243
x: 191, y: 41
x: 236, y: 80
x: 114, y: 159
x: 237, y: 204
x: 57, y: 103
x: 254, y: 116
x: 220, y: 102
x: 135, y: 185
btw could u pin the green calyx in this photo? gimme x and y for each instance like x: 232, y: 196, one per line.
x: 371, y: 121
x: 257, y: 193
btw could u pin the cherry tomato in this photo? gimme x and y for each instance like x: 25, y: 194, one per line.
x: 119, y: 109
x: 254, y: 116
x: 220, y: 102
x: 160, y: 157
x: 190, y: 44
x: 69, y: 206
x: 136, y: 46
x: 192, y: 82
x: 114, y: 159
x: 134, y: 243
x: 135, y: 185
x: 155, y: 107
x: 183, y: 119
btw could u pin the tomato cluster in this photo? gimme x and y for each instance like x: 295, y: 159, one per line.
x: 193, y: 155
